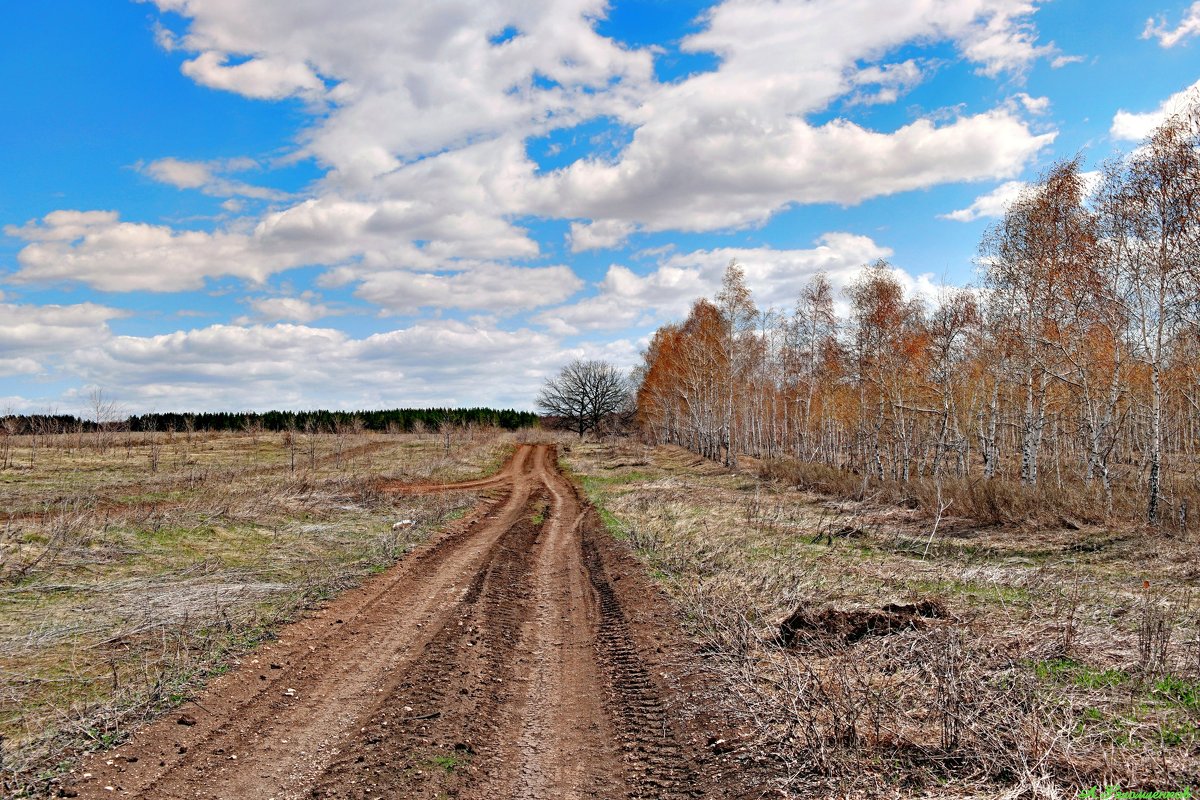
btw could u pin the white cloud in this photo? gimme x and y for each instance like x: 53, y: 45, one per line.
x: 485, y: 287
x: 776, y: 276
x: 203, y: 175
x: 425, y: 114
x: 996, y: 202
x: 1058, y: 62
x: 420, y: 116
x: 731, y: 147
x: 1034, y: 105
x: 428, y: 108
x: 98, y: 249
x: 413, y: 78
x: 292, y: 366
x: 705, y: 174
x: 1134, y: 127
x: 991, y: 204
x: 625, y: 298
x: 599, y: 235
x: 32, y: 337
x: 893, y: 82
x: 1189, y: 26
x: 1006, y: 41
x: 18, y: 366
x: 288, y: 309
x: 260, y: 78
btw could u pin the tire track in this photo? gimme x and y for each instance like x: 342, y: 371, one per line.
x: 496, y: 662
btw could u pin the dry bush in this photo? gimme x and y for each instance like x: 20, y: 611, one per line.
x: 1053, y: 666
x: 992, y: 501
x: 916, y: 708
x: 813, y: 477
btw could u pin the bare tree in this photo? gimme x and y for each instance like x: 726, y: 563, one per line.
x: 1035, y: 255
x: 1151, y: 206
x: 584, y: 394
x: 104, y: 411
x: 289, y: 441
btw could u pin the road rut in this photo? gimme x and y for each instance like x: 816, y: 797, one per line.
x: 511, y: 657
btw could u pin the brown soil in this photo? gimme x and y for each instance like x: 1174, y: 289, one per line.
x: 857, y: 624
x: 522, y: 654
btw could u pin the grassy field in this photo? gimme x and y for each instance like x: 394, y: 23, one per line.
x: 134, y: 566
x: 877, y: 657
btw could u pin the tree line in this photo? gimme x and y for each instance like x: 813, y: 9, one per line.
x: 1075, y: 362
x: 402, y: 420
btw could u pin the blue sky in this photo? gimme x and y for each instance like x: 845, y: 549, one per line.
x: 209, y: 204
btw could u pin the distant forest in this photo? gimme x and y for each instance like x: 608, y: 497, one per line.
x: 403, y: 420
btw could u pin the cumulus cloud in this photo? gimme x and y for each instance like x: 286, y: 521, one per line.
x: 626, y: 298
x: 97, y: 248
x: 598, y: 235
x: 439, y: 362
x: 991, y: 204
x: 482, y: 287
x: 205, y: 176
x: 1034, y: 105
x: 425, y: 111
x: 731, y: 147
x: 705, y: 174
x: 892, y: 81
x: 437, y: 104
x: 1133, y: 127
x: 1005, y: 40
x: 412, y: 78
x: 287, y: 309
x: 1189, y: 26
x: 996, y: 202
x: 33, y: 337
x: 260, y: 78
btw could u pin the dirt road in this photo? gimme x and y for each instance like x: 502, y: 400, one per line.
x: 519, y: 655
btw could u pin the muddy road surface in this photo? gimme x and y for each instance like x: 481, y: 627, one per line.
x: 520, y: 654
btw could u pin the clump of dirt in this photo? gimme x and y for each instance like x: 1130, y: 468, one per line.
x: 853, y: 625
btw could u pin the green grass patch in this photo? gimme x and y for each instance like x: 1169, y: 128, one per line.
x: 445, y: 761
x: 612, y: 524
x: 1070, y: 671
x: 1178, y: 692
x: 539, y: 512
x: 979, y: 593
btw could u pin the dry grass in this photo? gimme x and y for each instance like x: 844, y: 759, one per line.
x: 1060, y: 658
x: 123, y: 588
x: 999, y: 501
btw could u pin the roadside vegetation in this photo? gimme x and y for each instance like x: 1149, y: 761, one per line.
x: 947, y: 545
x: 1065, y: 387
x: 136, y: 564
x: 874, y: 657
